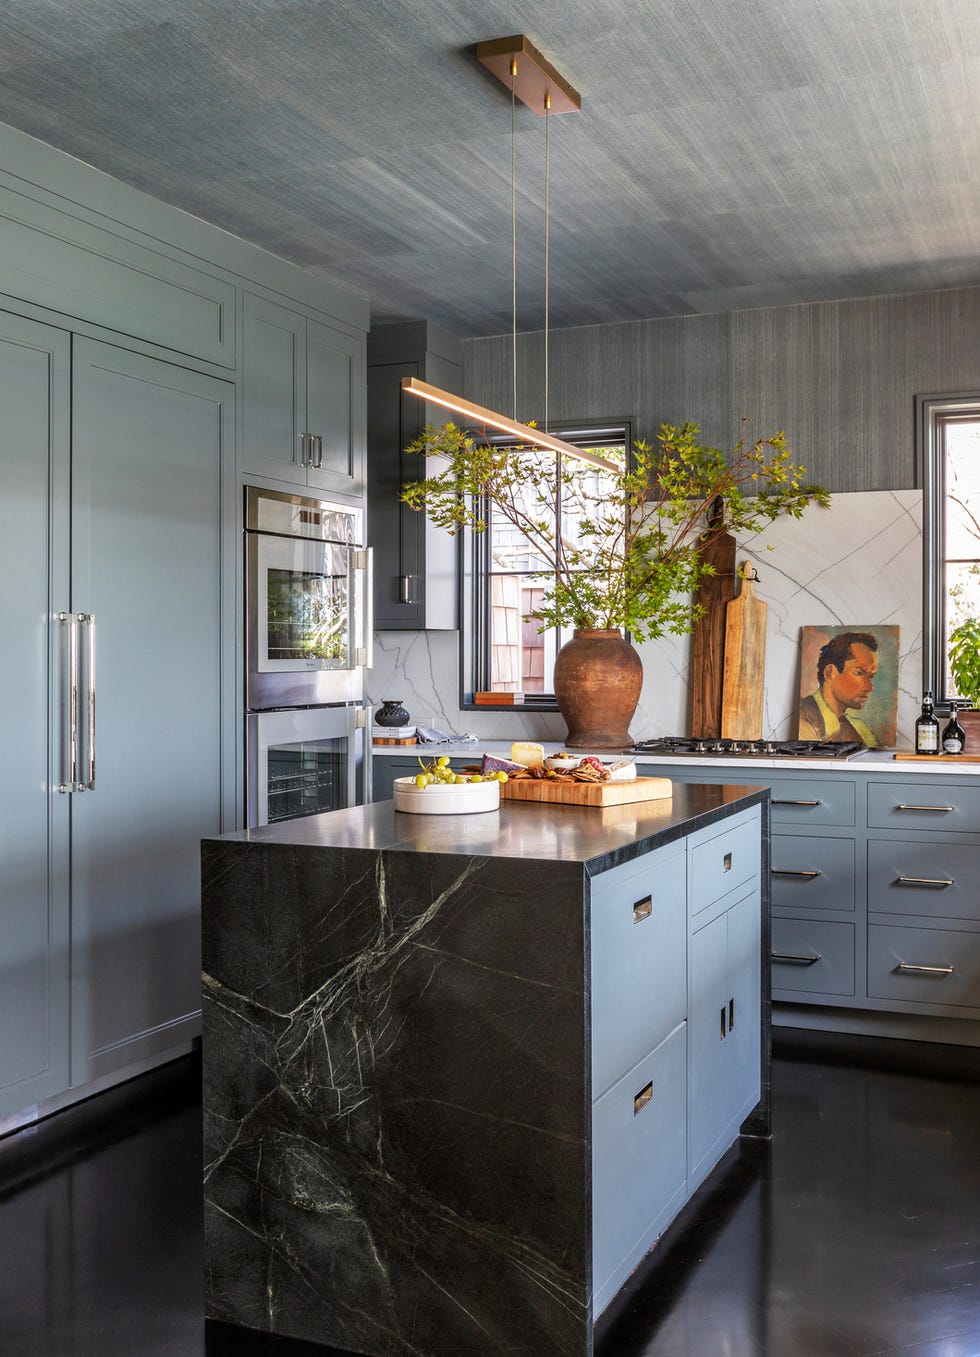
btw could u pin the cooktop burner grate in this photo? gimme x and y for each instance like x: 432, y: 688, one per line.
x: 799, y: 749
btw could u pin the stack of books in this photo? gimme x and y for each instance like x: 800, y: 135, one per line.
x: 498, y: 699
x: 393, y: 734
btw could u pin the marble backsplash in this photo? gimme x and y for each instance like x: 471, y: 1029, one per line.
x: 857, y: 563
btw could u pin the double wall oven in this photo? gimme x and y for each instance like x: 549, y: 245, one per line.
x: 308, y: 640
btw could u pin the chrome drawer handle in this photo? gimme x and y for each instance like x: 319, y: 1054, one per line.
x: 784, y: 871
x: 797, y: 960
x: 641, y: 1100
x: 925, y: 881
x: 726, y: 863
x: 944, y: 810
x: 796, y: 803
x: 924, y: 970
x: 643, y: 909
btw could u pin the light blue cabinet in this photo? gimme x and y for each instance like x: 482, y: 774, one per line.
x: 304, y: 402
x: 35, y: 415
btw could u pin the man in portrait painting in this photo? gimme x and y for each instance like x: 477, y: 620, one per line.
x: 846, y: 669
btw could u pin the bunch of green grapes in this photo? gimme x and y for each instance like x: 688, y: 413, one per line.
x: 438, y: 772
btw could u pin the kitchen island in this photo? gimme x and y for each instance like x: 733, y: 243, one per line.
x: 461, y: 1072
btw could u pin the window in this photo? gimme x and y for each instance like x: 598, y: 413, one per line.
x: 949, y: 428
x: 503, y: 650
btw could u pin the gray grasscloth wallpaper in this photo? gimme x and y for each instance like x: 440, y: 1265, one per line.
x: 839, y: 378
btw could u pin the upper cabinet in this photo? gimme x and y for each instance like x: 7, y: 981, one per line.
x: 415, y: 576
x: 303, y: 400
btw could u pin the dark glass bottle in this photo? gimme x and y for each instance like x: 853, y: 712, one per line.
x: 927, y: 729
x: 954, y: 737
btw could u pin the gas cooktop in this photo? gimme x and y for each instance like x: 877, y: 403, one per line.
x: 770, y: 749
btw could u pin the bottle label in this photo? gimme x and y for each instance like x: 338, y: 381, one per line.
x: 953, y: 744
x: 927, y: 740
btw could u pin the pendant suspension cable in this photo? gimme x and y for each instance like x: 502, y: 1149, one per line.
x: 547, y: 222
x: 513, y: 220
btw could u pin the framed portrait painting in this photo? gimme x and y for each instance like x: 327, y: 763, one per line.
x: 849, y: 684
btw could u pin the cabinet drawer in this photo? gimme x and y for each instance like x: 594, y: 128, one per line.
x: 817, y: 957
x: 721, y: 863
x: 813, y: 803
x: 810, y: 873
x: 639, y: 1159
x: 931, y: 880
x: 639, y: 949
x: 905, y: 805
x: 952, y: 961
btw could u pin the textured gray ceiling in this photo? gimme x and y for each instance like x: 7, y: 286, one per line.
x: 729, y: 153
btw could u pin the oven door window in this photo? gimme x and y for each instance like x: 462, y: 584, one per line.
x: 305, y: 778
x: 305, y: 616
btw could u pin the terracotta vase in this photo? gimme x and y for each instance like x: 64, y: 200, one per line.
x: 598, y: 676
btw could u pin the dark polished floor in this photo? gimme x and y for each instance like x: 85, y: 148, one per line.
x: 855, y: 1233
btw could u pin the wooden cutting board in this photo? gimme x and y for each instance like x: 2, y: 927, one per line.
x: 745, y: 662
x: 938, y: 758
x: 587, y: 793
x: 714, y: 593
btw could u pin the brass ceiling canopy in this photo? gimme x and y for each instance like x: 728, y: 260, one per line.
x: 535, y: 81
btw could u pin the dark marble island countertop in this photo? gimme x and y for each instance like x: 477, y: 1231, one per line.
x: 600, y: 838
x: 397, y: 1086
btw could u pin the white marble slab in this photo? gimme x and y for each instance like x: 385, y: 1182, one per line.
x: 858, y: 562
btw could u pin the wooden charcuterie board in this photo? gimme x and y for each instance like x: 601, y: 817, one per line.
x: 745, y: 662
x: 938, y: 758
x: 587, y: 793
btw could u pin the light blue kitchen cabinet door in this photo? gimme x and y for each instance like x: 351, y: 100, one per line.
x: 35, y: 379
x: 153, y: 458
x: 709, y: 1110
x: 273, y: 391
x: 745, y: 982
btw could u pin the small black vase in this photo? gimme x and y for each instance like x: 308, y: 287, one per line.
x: 391, y: 714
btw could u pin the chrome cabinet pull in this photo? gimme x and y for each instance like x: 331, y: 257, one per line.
x: 795, y: 959
x: 943, y: 810
x: 643, y: 1098
x: 925, y: 881
x: 722, y: 1033
x: 303, y: 461
x: 731, y: 1015
x: 643, y: 909
x: 89, y: 783
x: 72, y: 623
x: 317, y: 442
x: 364, y: 653
x: 796, y: 803
x: 405, y: 588
x: 785, y: 871
x: 726, y: 863
x: 924, y: 970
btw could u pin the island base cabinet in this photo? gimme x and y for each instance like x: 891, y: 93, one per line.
x: 639, y: 1164
x: 724, y: 1019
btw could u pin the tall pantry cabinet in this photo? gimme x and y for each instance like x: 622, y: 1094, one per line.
x: 121, y: 476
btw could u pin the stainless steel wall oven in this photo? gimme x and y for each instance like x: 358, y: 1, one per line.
x: 308, y: 639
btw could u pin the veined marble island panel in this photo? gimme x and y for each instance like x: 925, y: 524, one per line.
x: 398, y: 1128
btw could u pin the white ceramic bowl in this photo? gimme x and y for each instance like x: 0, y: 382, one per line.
x: 558, y: 765
x: 453, y: 798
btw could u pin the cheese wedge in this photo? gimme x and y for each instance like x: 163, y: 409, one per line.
x: 530, y: 755
x: 623, y: 770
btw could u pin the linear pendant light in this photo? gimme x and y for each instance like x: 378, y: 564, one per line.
x: 520, y: 66
x: 480, y: 415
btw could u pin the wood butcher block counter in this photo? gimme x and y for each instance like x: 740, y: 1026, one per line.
x: 461, y: 1072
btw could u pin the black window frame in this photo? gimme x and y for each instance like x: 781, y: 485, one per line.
x: 474, y: 549
x: 934, y: 414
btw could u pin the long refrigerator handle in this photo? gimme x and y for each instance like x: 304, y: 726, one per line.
x: 89, y: 618
x: 364, y: 655
x: 69, y: 782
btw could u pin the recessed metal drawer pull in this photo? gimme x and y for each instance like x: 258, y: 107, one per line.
x: 797, y: 960
x: 796, y: 803
x: 924, y: 970
x: 944, y: 810
x: 726, y: 863
x: 643, y: 909
x: 925, y: 881
x: 785, y: 871
x: 724, y: 1031
x: 731, y: 1015
x: 644, y: 1096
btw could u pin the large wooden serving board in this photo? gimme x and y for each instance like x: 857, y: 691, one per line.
x: 745, y: 662
x: 938, y: 758
x: 587, y: 793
